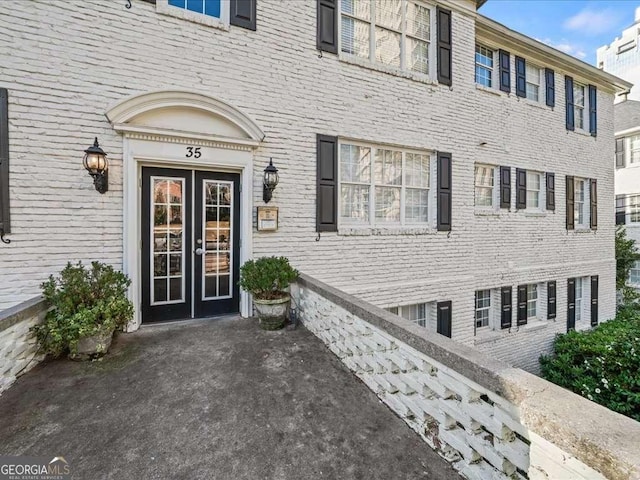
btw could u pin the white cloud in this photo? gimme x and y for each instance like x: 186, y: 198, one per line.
x: 566, y: 47
x: 593, y: 22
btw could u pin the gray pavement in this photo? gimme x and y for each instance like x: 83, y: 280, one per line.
x: 216, y: 399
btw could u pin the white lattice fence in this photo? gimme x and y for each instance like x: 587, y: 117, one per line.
x: 472, y: 427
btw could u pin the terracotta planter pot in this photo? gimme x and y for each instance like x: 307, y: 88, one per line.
x: 92, y: 346
x: 272, y: 314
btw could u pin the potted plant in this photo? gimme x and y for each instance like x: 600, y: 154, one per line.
x: 87, y: 305
x: 268, y: 279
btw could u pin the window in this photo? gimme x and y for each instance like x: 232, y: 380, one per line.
x: 532, y: 301
x: 484, y: 66
x: 484, y: 185
x: 634, y: 273
x: 533, y: 189
x: 634, y: 208
x: 634, y: 149
x: 581, y: 212
x: 578, y: 302
x: 211, y: 8
x: 483, y: 308
x: 383, y: 186
x: 414, y: 313
x: 578, y: 104
x: 533, y: 75
x: 390, y: 32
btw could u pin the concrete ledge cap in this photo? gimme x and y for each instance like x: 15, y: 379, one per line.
x: 606, y: 441
x: 22, y: 311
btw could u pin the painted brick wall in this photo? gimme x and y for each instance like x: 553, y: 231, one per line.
x: 66, y: 63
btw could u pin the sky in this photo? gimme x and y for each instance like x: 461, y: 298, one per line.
x: 577, y: 27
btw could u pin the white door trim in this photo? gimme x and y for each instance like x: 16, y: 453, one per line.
x: 141, y: 150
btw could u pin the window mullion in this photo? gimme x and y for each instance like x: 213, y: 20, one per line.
x: 403, y: 38
x: 403, y: 197
x: 372, y: 32
x: 372, y: 188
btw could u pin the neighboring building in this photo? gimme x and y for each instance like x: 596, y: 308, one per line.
x: 627, y: 179
x: 431, y: 161
x: 622, y: 56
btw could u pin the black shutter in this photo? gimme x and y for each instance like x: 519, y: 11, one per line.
x: 620, y: 210
x: 444, y: 192
x: 327, y: 34
x: 570, y: 204
x: 521, y: 77
x: 522, y: 304
x: 593, y: 111
x: 521, y: 188
x: 550, y: 84
x: 594, y: 300
x: 568, y: 92
x: 571, y: 304
x: 593, y: 217
x: 620, y: 153
x: 444, y: 318
x: 243, y: 14
x: 327, y: 184
x: 551, y: 300
x: 5, y: 223
x: 505, y: 187
x: 505, y: 70
x: 444, y: 46
x: 506, y: 311
x: 551, y: 191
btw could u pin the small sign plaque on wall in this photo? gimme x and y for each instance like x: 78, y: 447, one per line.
x: 267, y: 219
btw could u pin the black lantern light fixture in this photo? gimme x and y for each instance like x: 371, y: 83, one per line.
x: 95, y: 161
x: 270, y: 180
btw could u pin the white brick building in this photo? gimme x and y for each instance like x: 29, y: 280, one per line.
x: 627, y: 178
x: 390, y: 124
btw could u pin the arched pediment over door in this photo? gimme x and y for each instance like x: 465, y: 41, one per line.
x: 178, y: 114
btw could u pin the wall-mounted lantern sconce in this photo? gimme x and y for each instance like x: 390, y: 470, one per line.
x: 95, y: 161
x: 269, y: 181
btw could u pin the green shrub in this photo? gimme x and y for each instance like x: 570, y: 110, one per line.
x: 85, y: 301
x: 268, y: 277
x: 602, y: 364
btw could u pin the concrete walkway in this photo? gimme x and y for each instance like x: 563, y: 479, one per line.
x: 212, y: 400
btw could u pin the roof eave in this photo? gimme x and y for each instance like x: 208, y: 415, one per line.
x: 489, y: 26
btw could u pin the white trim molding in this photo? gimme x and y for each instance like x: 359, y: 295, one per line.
x: 121, y: 114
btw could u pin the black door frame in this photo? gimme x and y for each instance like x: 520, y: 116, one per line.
x: 193, y: 306
x: 207, y: 308
x: 172, y: 311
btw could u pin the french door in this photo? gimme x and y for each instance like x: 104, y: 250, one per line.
x: 190, y: 244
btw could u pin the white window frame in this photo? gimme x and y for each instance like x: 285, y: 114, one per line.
x: 633, y: 154
x: 492, y: 187
x: 530, y: 81
x: 490, y: 69
x: 586, y: 203
x: 540, y: 190
x: 533, y: 288
x: 488, y: 309
x: 634, y: 274
x: 163, y: 7
x: 584, y: 107
x: 633, y: 208
x: 579, y: 300
x: 431, y: 74
x: 417, y: 313
x: 373, y: 222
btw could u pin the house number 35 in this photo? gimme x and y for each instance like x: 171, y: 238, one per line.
x: 193, y: 152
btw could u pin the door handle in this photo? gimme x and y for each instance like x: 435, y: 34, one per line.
x: 198, y: 251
